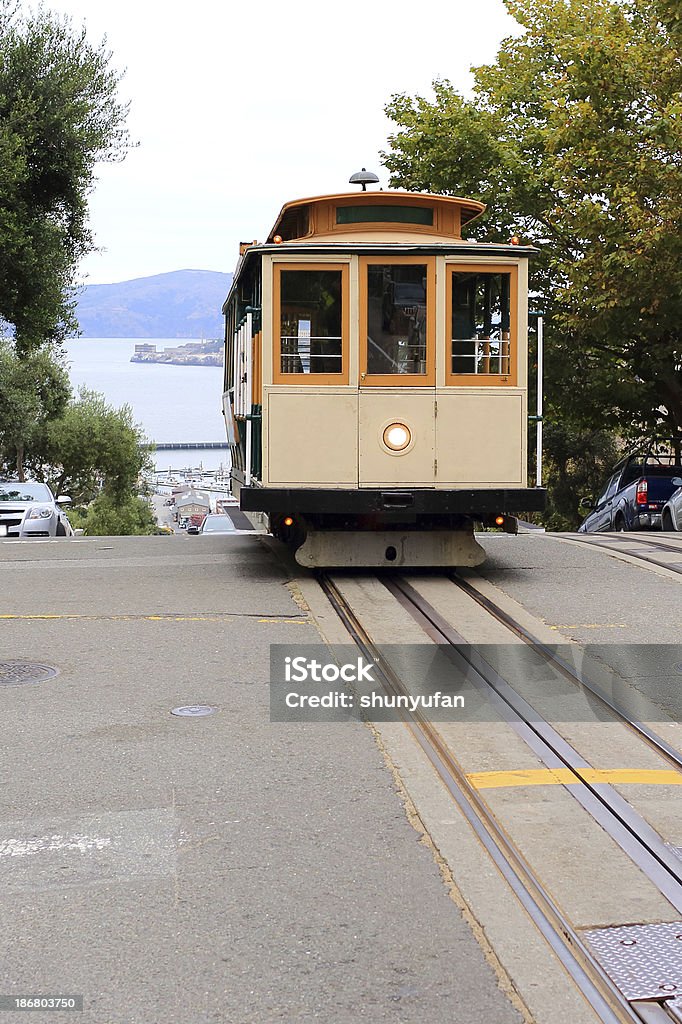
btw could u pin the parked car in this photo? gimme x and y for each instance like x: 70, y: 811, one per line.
x: 215, y: 523
x: 634, y: 495
x: 29, y: 509
x: 671, y: 516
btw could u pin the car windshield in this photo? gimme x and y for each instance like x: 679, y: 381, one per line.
x: 24, y: 492
x: 217, y: 524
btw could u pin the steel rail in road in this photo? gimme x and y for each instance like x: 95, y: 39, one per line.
x: 613, y: 813
x: 597, y: 987
x: 661, y: 746
x: 627, y: 548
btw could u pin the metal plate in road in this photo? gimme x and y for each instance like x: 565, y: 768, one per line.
x: 193, y: 711
x: 16, y: 673
x: 644, y: 960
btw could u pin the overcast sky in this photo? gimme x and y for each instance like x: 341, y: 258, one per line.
x: 239, y: 107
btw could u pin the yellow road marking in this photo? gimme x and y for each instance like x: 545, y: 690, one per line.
x: 153, y: 618
x: 593, y: 625
x: 129, y: 618
x: 564, y: 777
x: 284, y: 622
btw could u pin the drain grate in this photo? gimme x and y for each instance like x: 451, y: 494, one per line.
x: 15, y: 673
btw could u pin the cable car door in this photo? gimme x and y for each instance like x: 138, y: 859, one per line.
x: 396, y: 402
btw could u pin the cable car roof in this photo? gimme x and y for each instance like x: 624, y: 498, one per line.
x: 306, y: 217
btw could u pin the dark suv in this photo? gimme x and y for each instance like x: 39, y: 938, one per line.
x: 634, y: 495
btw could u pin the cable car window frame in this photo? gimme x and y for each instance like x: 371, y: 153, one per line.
x: 486, y: 380
x: 280, y: 377
x: 423, y: 380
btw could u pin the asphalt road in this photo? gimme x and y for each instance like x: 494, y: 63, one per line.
x: 213, y: 869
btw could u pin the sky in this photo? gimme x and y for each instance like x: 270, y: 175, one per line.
x: 239, y: 107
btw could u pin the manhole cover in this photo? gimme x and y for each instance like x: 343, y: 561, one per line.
x: 193, y: 711
x: 14, y: 673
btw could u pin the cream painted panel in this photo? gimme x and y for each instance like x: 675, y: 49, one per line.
x: 481, y: 438
x: 312, y: 437
x: 415, y: 408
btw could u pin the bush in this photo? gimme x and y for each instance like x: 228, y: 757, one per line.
x: 103, y: 518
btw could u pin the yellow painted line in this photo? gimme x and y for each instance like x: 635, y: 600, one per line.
x: 129, y: 618
x: 566, y: 777
x: 285, y: 622
x: 593, y: 625
x: 149, y: 618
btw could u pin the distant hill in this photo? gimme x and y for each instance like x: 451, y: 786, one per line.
x: 181, y: 304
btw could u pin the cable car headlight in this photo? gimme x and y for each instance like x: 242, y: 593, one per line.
x: 397, y: 437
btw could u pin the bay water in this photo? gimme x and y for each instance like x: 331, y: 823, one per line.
x: 172, y: 404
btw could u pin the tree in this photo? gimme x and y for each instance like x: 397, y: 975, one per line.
x: 574, y: 136
x: 93, y: 449
x: 32, y: 391
x: 104, y: 518
x: 59, y: 116
x: 579, y: 460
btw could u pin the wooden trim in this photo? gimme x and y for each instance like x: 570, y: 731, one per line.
x: 309, y: 378
x: 428, y: 379
x: 478, y: 380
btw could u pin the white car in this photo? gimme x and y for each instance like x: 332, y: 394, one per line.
x: 214, y: 523
x: 671, y: 515
x: 29, y: 509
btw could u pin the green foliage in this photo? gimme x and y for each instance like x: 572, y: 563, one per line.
x: 131, y: 516
x: 574, y: 136
x: 59, y: 116
x: 578, y: 464
x: 93, y: 448
x: 81, y: 447
x: 32, y: 391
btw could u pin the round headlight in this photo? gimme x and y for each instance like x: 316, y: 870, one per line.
x: 397, y: 437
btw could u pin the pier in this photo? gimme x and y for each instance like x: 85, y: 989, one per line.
x: 190, y: 446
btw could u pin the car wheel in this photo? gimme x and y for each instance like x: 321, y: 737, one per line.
x: 61, y: 530
x: 667, y: 522
x: 619, y: 525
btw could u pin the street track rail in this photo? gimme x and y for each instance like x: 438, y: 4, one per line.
x: 627, y: 548
x: 596, y: 986
x: 615, y: 815
x: 656, y: 742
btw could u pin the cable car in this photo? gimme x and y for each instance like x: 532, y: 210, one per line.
x: 375, y: 394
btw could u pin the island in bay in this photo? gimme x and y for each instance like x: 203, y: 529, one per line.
x: 193, y: 353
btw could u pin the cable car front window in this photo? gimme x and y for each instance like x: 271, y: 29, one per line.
x: 480, y: 323
x: 396, y: 318
x: 311, y: 322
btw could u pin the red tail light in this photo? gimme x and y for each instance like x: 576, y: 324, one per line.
x: 641, y: 498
